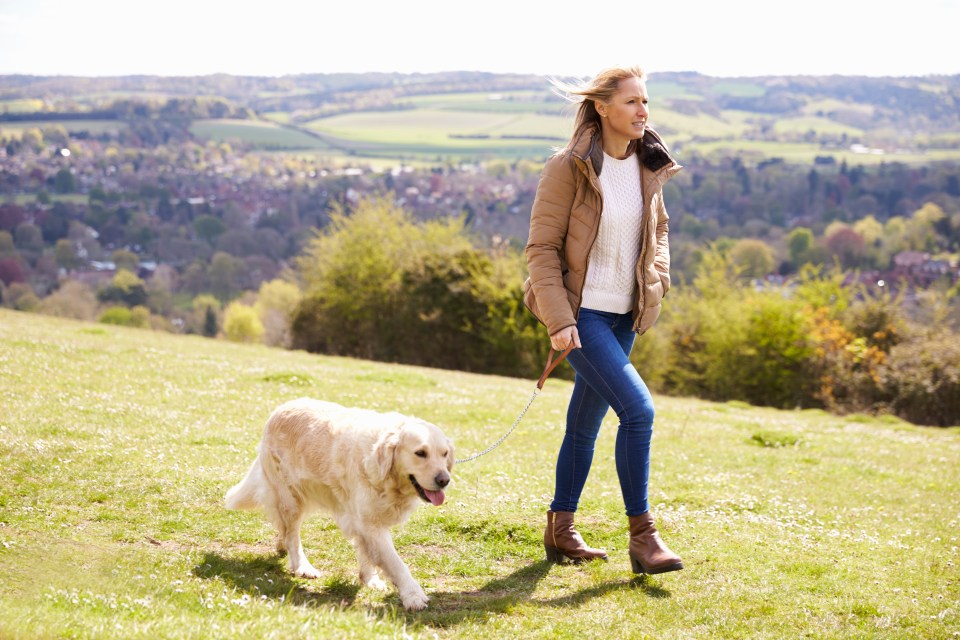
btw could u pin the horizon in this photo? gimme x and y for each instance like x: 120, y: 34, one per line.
x: 110, y: 38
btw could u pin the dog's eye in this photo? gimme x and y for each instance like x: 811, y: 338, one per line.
x: 446, y: 453
x: 421, y: 454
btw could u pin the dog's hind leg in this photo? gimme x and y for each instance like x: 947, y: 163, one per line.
x: 287, y: 515
x: 377, y: 547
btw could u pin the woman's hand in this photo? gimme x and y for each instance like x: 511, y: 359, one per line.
x: 564, y: 338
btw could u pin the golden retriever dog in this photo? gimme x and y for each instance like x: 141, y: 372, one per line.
x: 367, y: 470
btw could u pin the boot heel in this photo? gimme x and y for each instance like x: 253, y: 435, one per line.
x: 555, y: 555
x: 639, y: 568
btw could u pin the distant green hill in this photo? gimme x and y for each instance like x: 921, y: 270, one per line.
x: 468, y: 116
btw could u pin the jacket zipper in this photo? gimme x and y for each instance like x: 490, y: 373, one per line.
x: 586, y: 270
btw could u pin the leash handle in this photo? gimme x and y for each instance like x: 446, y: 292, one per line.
x: 551, y: 364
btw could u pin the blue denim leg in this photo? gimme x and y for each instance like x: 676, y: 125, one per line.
x: 605, y: 378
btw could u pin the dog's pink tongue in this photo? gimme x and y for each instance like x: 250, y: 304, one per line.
x: 435, y: 497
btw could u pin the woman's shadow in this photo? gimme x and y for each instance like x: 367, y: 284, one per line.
x: 267, y: 577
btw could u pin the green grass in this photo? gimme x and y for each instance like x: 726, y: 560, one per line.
x: 118, y: 445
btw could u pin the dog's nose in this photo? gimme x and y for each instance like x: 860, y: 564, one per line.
x: 442, y: 479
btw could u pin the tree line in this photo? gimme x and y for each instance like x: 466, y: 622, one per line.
x: 377, y: 284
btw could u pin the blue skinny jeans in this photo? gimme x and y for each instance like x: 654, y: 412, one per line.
x: 605, y: 378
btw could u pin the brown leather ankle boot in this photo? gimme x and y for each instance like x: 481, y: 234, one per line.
x: 562, y: 542
x: 648, y: 554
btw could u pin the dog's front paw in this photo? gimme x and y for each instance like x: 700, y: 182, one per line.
x: 414, y: 600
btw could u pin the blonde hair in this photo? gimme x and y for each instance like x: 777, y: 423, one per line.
x: 601, y: 88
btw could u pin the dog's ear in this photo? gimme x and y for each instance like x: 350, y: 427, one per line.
x: 450, y: 455
x: 379, y: 461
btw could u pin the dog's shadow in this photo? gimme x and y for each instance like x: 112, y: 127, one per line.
x: 267, y: 577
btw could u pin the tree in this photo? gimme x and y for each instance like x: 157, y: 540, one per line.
x: 921, y: 228
x: 64, y: 181
x: 66, y: 255
x: 241, y: 324
x: 353, y: 272
x: 800, y: 244
x: 125, y: 288
x: 209, y: 227
x: 276, y: 304
x: 12, y: 270
x: 7, y: 248
x: 206, y: 310
x: 846, y: 245
x: 127, y: 260
x: 224, y: 274
x: 754, y: 257
x: 73, y: 299
x: 20, y: 296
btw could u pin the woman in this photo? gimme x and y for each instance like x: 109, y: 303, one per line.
x: 599, y: 266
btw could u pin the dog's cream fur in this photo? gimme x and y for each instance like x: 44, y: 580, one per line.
x: 357, y: 466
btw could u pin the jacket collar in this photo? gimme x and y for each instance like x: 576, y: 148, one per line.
x: 651, y: 150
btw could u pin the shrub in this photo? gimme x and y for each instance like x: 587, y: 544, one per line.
x: 125, y: 288
x: 241, y: 324
x: 73, y: 299
x: 843, y: 367
x: 276, y: 304
x: 137, y: 317
x: 922, y: 380
x: 206, y: 316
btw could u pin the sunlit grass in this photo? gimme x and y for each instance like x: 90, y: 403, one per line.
x: 118, y: 444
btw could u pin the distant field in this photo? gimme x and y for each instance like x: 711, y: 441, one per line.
x: 739, y: 88
x: 445, y: 132
x: 20, y: 106
x: 74, y: 198
x: 264, y: 135
x: 520, y: 101
x: 815, y: 124
x: 469, y: 126
x: 93, y: 127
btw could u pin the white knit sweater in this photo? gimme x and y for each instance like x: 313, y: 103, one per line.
x: 611, y: 267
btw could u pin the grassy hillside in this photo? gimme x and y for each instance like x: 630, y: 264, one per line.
x: 118, y: 444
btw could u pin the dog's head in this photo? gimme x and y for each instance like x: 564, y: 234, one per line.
x: 418, y: 455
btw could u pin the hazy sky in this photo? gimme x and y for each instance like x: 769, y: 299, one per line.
x: 556, y: 37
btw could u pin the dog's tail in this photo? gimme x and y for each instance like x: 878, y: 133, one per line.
x: 245, y: 495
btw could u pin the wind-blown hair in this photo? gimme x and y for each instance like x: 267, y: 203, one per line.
x: 600, y: 89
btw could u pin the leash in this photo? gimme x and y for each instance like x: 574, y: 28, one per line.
x: 551, y: 365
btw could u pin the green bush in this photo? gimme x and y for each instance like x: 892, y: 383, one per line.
x: 727, y: 341
x: 137, y: 317
x: 125, y: 288
x: 922, y: 380
x: 241, y: 323
x: 382, y: 287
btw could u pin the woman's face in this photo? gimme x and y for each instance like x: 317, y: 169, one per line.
x: 625, y: 116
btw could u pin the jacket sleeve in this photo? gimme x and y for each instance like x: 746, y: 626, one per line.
x: 549, y: 219
x: 661, y: 261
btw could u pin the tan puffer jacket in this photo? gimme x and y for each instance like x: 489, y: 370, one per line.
x: 563, y: 227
